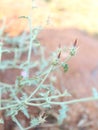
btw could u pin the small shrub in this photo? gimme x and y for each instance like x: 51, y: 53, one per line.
x: 34, y: 87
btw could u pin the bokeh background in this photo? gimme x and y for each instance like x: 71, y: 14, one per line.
x: 63, y: 21
x: 80, y: 14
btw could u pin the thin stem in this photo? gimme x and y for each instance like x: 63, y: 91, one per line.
x: 50, y: 98
x: 6, y: 107
x: 51, y: 68
x: 7, y: 100
x: 18, y: 123
x: 75, y: 101
x: 67, y: 102
x: 35, y: 104
x: 65, y: 61
x: 29, y: 127
x: 6, y: 85
x: 31, y: 40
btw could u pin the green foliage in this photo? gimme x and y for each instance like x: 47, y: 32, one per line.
x: 36, y: 121
x: 62, y: 114
x: 65, y: 67
x: 73, y: 50
x: 42, y: 94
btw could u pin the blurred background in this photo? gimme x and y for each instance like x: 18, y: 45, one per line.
x: 63, y: 21
x: 80, y: 14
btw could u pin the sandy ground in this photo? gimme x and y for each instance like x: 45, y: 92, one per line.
x: 81, y: 14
